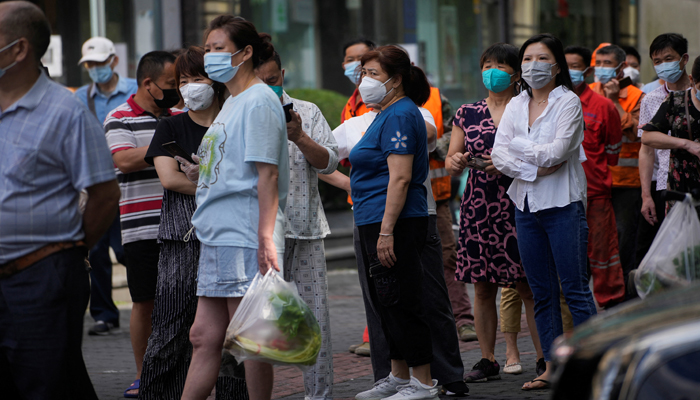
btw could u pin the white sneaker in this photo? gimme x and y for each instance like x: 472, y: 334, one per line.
x: 415, y: 390
x: 382, y: 388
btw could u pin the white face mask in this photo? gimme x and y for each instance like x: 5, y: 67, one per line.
x: 197, y: 96
x: 537, y: 74
x: 373, y: 91
x: 633, y: 73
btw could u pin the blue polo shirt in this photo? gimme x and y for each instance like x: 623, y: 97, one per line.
x: 51, y: 148
x: 104, y: 104
x: 400, y: 129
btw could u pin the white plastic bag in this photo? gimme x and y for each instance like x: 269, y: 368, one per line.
x: 674, y: 257
x: 273, y: 324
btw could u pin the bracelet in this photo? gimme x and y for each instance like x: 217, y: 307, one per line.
x: 386, y: 234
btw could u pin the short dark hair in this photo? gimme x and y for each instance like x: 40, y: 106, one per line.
x: 503, y: 53
x: 675, y: 41
x: 586, y: 54
x: 190, y: 62
x: 631, y: 51
x: 696, y: 70
x: 274, y: 57
x: 243, y: 33
x: 615, y: 50
x: 151, y: 65
x: 26, y: 20
x: 395, y: 61
x: 370, y: 44
x: 554, y: 45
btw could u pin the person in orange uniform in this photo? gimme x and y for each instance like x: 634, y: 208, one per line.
x: 602, y: 136
x: 352, y: 53
x: 610, y: 62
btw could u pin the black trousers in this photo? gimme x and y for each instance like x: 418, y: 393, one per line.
x: 446, y: 365
x: 41, y: 330
x: 396, y: 292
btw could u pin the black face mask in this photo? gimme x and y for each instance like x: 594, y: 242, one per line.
x: 170, y: 97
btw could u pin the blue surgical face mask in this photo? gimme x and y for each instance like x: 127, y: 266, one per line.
x: 670, y: 72
x: 3, y: 70
x: 605, y: 74
x: 101, y: 74
x: 352, y: 73
x: 577, y: 77
x: 697, y: 94
x: 496, y: 80
x: 277, y: 90
x: 218, y: 66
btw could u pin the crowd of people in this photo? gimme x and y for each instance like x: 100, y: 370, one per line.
x: 197, y: 179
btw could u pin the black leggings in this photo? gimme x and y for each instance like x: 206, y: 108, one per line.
x: 396, y: 292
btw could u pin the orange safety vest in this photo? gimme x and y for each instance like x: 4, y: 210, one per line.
x: 439, y: 178
x: 353, y: 109
x: 626, y: 173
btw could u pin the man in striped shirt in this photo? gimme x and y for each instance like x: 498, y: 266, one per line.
x: 129, y: 129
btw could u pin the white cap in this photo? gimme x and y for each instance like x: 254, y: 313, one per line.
x: 97, y: 49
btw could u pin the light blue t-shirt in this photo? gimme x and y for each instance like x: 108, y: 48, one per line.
x: 104, y: 104
x: 250, y: 128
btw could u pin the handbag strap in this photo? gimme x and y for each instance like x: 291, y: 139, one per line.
x: 687, y: 115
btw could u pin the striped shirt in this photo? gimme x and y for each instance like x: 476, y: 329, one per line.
x: 51, y: 148
x: 128, y: 127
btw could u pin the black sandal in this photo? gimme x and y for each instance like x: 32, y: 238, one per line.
x: 544, y: 387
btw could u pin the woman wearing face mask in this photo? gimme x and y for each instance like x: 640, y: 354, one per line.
x: 169, y: 349
x: 679, y: 114
x: 538, y: 144
x: 242, y: 179
x: 487, y: 252
x: 390, y: 164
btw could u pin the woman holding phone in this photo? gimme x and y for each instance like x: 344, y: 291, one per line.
x: 538, y: 144
x: 487, y: 250
x: 169, y: 349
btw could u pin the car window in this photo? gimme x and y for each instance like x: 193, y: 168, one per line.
x: 677, y: 379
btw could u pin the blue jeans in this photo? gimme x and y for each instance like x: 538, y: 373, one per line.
x: 102, y: 307
x: 553, y: 247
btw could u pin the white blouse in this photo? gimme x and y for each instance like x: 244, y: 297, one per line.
x: 555, y: 137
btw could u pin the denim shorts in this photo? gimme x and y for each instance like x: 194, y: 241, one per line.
x: 227, y: 271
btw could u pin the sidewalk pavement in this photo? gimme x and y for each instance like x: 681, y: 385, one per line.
x: 111, y: 365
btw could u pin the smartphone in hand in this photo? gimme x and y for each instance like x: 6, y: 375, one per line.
x: 287, y: 114
x: 624, y: 82
x: 477, y: 163
x: 175, y: 150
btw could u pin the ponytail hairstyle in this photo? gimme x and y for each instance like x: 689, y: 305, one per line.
x: 554, y: 45
x: 243, y: 33
x: 395, y: 61
x: 190, y: 62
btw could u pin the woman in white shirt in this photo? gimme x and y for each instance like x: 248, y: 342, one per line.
x: 538, y: 143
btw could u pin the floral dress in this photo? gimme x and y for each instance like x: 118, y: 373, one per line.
x: 684, y: 168
x: 487, y: 250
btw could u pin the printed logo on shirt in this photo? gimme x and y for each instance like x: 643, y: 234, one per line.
x: 399, y: 140
x: 211, y: 153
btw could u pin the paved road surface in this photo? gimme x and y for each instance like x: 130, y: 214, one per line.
x: 111, y: 365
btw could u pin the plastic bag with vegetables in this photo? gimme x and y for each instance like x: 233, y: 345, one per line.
x: 673, y: 260
x: 273, y: 324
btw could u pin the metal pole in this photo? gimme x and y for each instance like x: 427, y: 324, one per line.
x: 98, y: 21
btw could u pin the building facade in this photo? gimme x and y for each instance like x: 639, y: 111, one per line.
x: 444, y: 37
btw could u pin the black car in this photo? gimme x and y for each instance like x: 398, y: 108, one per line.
x: 644, y: 349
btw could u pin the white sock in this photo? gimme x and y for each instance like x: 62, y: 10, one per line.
x: 399, y: 380
x: 423, y: 385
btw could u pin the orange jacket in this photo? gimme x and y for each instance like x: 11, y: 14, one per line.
x: 439, y: 178
x: 626, y: 173
x: 354, y: 107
